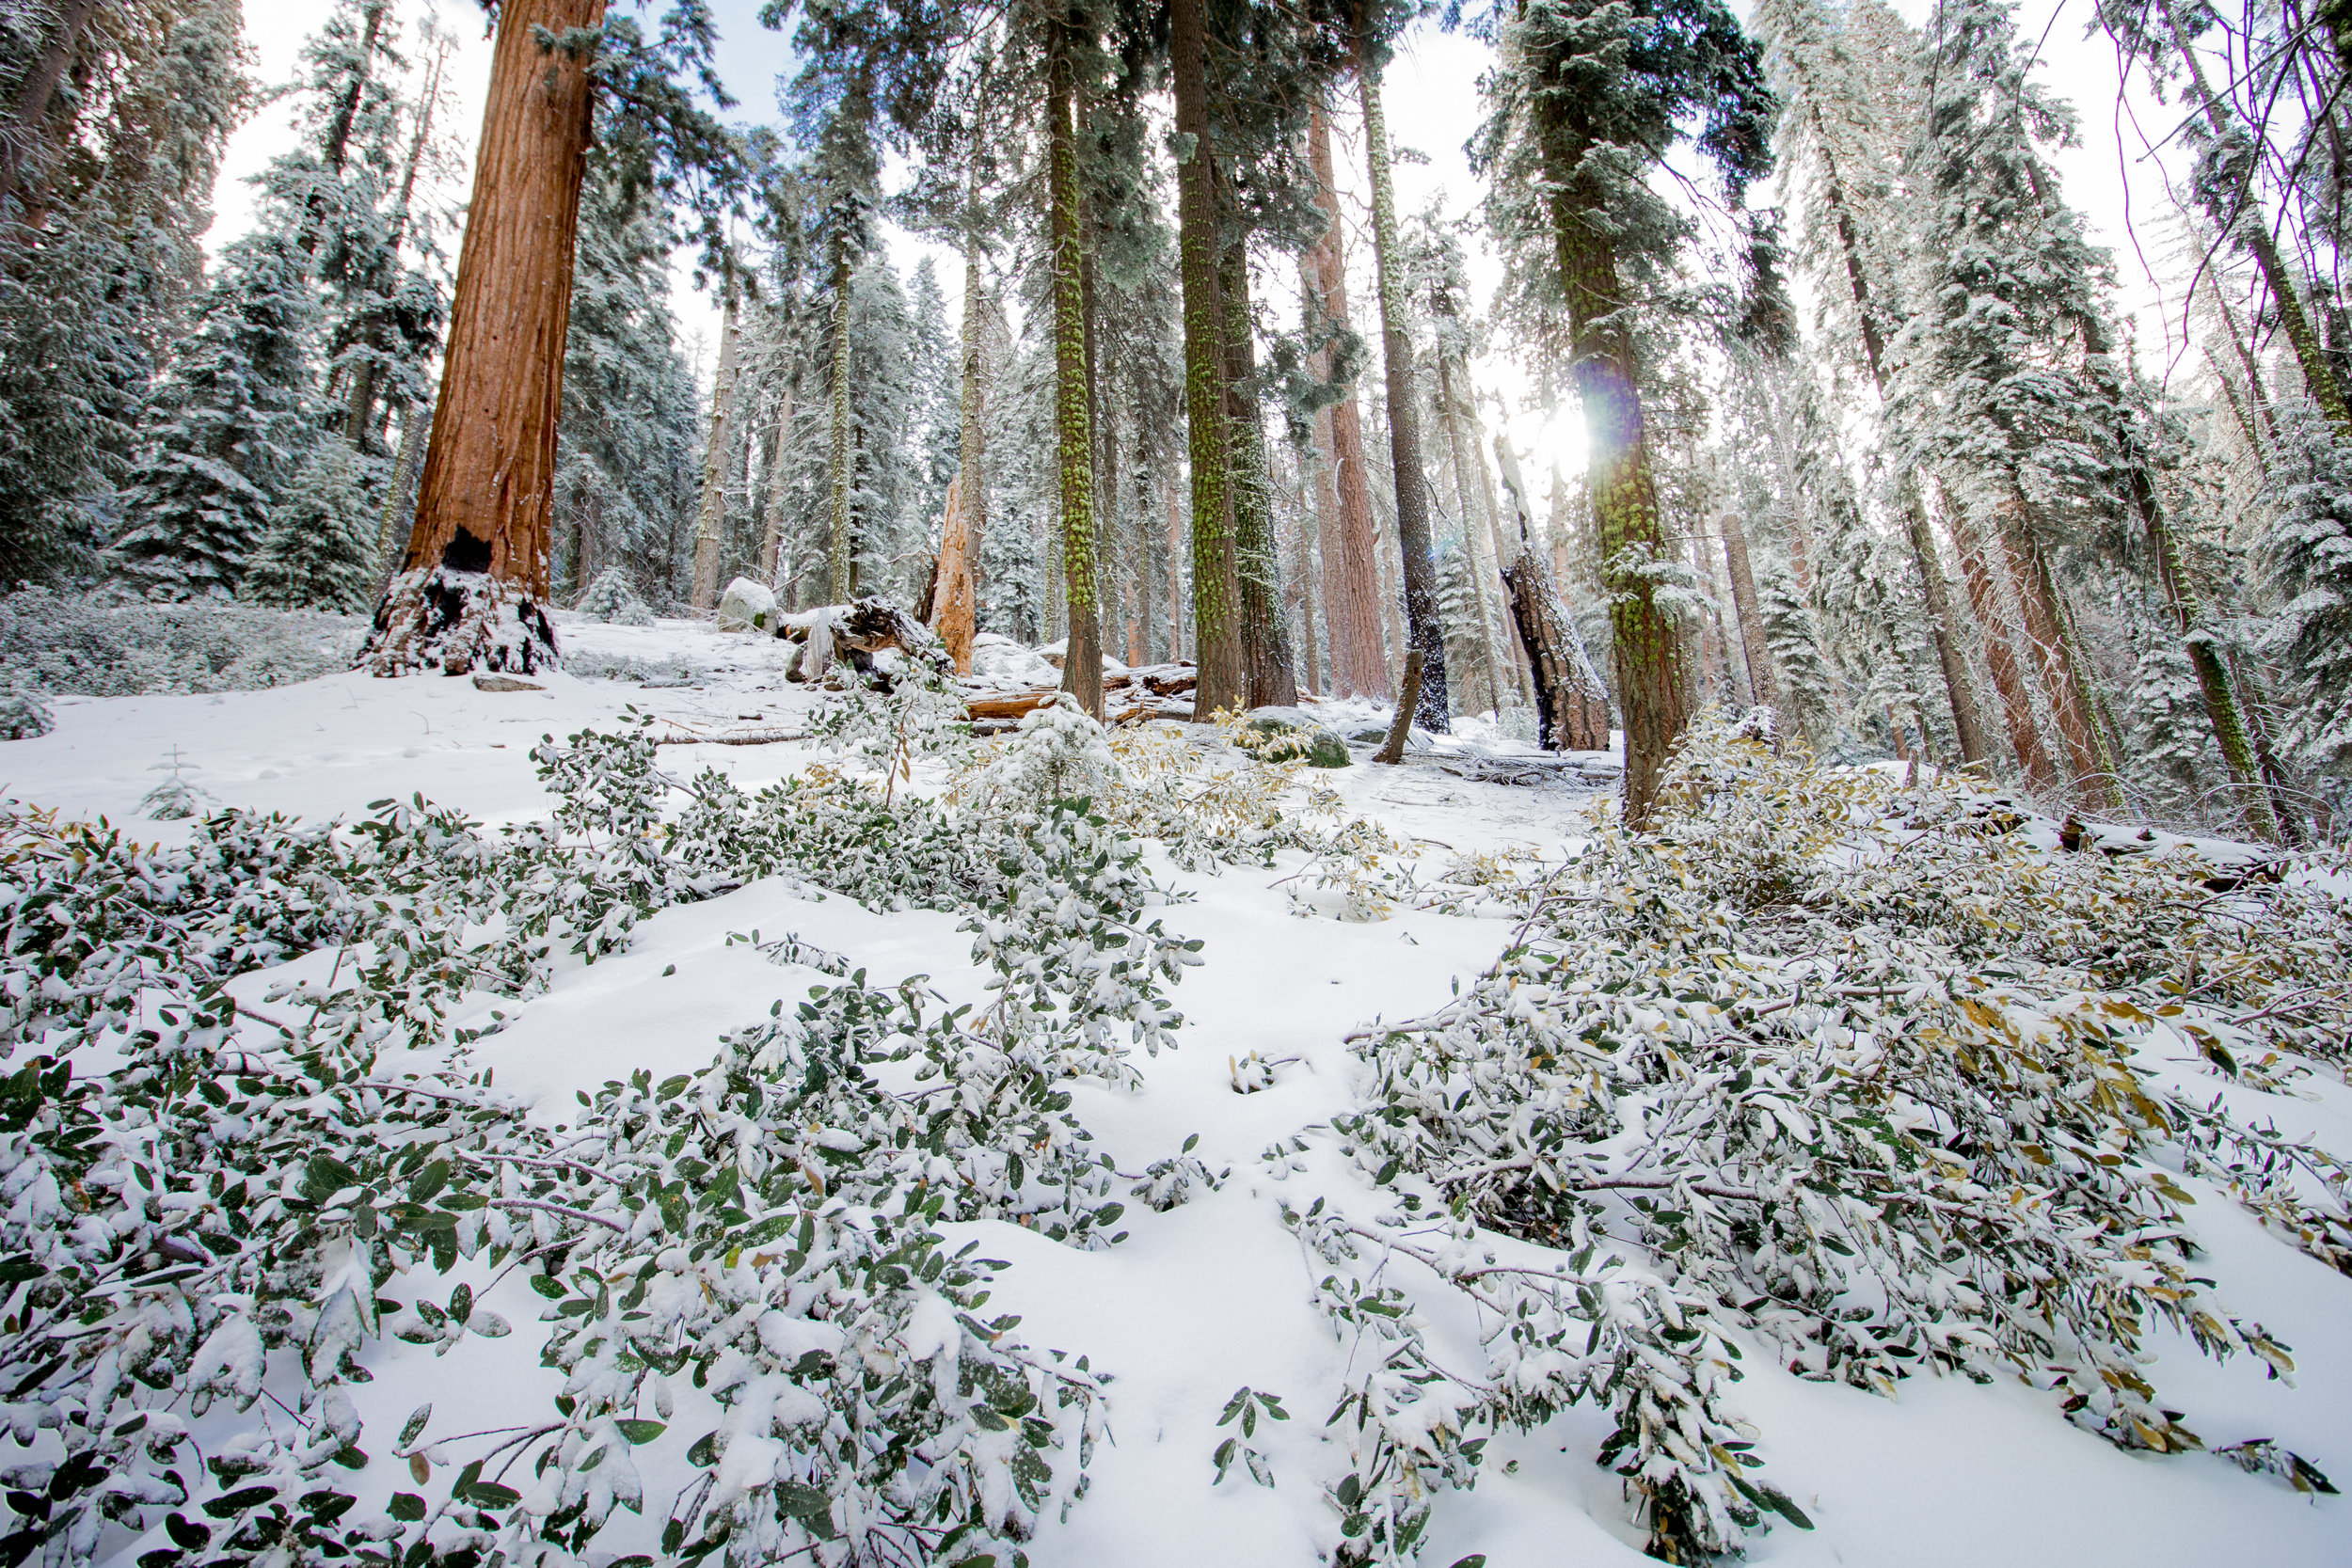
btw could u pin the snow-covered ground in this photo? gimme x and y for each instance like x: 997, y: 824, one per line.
x: 1216, y: 1293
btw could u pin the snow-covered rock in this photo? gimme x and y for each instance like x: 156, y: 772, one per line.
x: 747, y: 605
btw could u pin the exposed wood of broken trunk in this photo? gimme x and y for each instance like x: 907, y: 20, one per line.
x: 1571, y: 703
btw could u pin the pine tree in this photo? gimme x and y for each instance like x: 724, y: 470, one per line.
x: 104, y: 200
x: 625, y: 447
x: 2310, y: 554
x: 320, y: 550
x: 225, y: 430
x: 1583, y: 83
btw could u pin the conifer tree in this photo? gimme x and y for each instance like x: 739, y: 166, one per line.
x: 318, y: 552
x: 1583, y: 87
x: 108, y: 187
x: 225, y: 430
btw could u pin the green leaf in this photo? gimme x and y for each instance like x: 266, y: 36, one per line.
x: 414, y: 1427
x: 429, y: 1181
x: 406, y: 1507
x: 641, y: 1431
x: 490, y: 1493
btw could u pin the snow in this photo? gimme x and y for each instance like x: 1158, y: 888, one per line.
x: 1216, y: 1293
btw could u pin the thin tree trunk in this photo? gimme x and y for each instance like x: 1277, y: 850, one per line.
x: 1216, y: 578
x: 475, y: 574
x: 1082, y: 659
x: 1480, y: 568
x: 1351, y: 584
x: 1322, y: 479
x: 2053, y: 652
x: 1265, y: 637
x: 389, y: 529
x: 772, y: 520
x: 360, y: 412
x: 1424, y: 623
x: 1753, y: 650
x: 2253, y: 231
x: 1175, y: 573
x: 712, y: 512
x: 840, y: 560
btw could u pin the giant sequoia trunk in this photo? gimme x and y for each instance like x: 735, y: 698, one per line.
x: 1082, y: 664
x: 840, y: 558
x: 1351, y: 574
x: 972, y: 402
x: 1424, y: 623
x: 1215, y: 581
x: 2000, y: 655
x: 472, y: 586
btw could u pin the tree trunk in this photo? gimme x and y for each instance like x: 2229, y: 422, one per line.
x: 2053, y: 653
x: 2253, y: 231
x: 1175, y: 572
x: 1473, y: 557
x: 475, y: 576
x: 1424, y: 623
x: 1216, y: 578
x: 772, y: 520
x: 1265, y: 637
x: 712, y: 513
x: 388, y: 533
x: 1082, y: 661
x: 1401, y: 728
x: 1351, y: 574
x: 1324, y: 482
x: 1571, y: 704
x: 360, y: 410
x: 1649, y: 654
x: 951, y: 603
x: 34, y: 93
x: 2000, y: 655
x: 840, y: 560
x: 1753, y: 650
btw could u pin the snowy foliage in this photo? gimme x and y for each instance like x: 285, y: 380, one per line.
x: 102, y: 647
x: 611, y: 600
x: 1862, y: 1073
x: 23, y: 707
x: 1058, y: 753
x: 243, y: 1207
x: 318, y: 552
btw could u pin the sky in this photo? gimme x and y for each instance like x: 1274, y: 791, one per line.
x: 1431, y: 92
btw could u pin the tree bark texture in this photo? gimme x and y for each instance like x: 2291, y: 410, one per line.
x: 1423, y: 622
x: 712, y: 512
x: 1215, y: 578
x: 1571, y: 704
x: 1754, y: 651
x: 772, y: 519
x: 1649, y: 654
x: 474, y: 578
x: 952, y: 601
x: 33, y: 95
x: 2053, y: 653
x: 1351, y: 574
x: 1264, y: 636
x: 2000, y: 655
x: 1082, y: 663
x: 840, y: 560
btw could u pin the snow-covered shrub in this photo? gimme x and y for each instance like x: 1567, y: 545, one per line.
x: 242, y: 1208
x: 24, y: 710
x: 1060, y: 753
x: 1866, y: 1074
x: 110, y: 647
x: 886, y: 725
x: 611, y: 600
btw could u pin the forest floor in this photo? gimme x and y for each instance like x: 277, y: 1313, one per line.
x: 1218, y: 1293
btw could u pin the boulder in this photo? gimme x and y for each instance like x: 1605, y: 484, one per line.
x: 503, y: 682
x: 747, y: 605
x: 1289, y: 734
